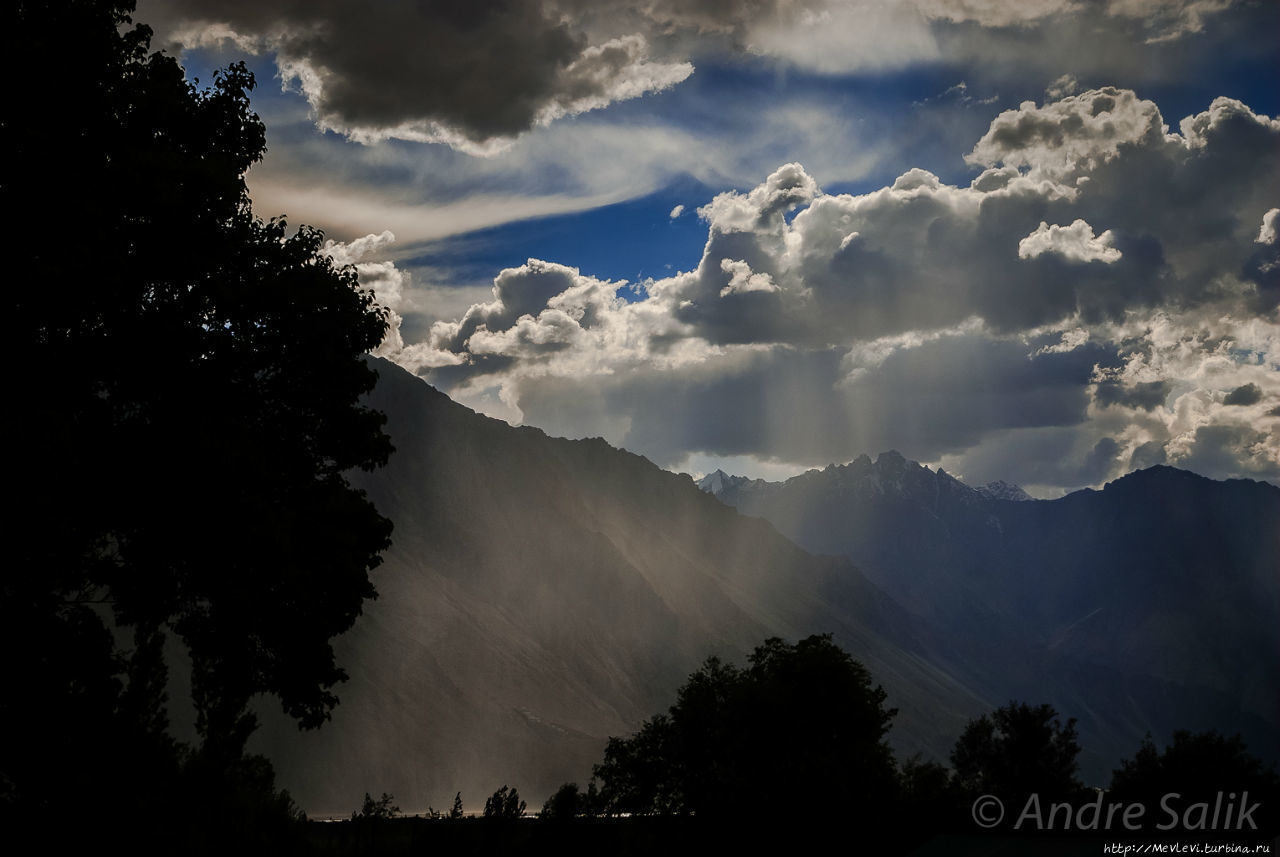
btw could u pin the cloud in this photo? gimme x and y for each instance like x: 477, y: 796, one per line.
x: 993, y: 13
x: 476, y: 76
x: 1061, y: 87
x: 469, y: 75
x: 1267, y: 232
x: 1146, y: 395
x: 1166, y: 20
x: 1075, y: 243
x: 1062, y: 142
x: 1245, y: 394
x: 949, y: 320
x: 676, y: 212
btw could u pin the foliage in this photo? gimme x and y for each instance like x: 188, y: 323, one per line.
x: 380, y: 808
x: 455, y: 811
x: 1197, y: 765
x: 504, y: 803
x: 569, y: 801
x: 803, y: 718
x: 562, y: 805
x: 189, y: 379
x: 1016, y: 750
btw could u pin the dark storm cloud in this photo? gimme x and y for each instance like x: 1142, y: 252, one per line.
x: 1100, y: 462
x: 450, y: 70
x: 1147, y: 395
x: 1245, y: 394
x: 1147, y: 455
x: 1218, y: 451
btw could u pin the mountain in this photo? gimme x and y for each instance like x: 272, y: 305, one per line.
x: 543, y: 594
x: 1162, y: 575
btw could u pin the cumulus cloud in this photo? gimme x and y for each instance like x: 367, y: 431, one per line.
x: 1075, y: 243
x: 945, y: 320
x: 393, y: 289
x: 1062, y: 142
x: 1245, y: 394
x: 1267, y: 232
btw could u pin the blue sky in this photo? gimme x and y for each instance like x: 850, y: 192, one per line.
x: 771, y: 235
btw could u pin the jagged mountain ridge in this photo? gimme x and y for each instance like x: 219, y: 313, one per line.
x: 1162, y: 573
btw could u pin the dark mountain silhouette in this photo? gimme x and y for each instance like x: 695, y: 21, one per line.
x: 1161, y: 575
x: 543, y: 594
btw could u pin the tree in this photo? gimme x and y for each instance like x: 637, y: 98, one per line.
x: 504, y: 803
x: 565, y: 804
x: 1199, y: 767
x: 801, y: 719
x: 570, y: 802
x: 1017, y: 750
x: 189, y: 378
x: 380, y: 808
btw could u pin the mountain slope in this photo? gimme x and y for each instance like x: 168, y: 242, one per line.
x: 543, y: 594
x: 1162, y: 575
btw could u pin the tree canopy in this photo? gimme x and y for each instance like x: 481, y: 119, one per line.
x: 1198, y: 766
x: 800, y: 728
x: 1016, y: 750
x: 187, y: 386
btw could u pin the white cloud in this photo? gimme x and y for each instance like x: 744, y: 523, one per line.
x: 676, y: 212
x: 933, y: 317
x: 743, y: 280
x: 1267, y: 232
x: 845, y: 37
x: 1063, y: 141
x: 1075, y: 243
x: 1062, y: 87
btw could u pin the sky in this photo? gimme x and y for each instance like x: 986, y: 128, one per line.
x: 1034, y: 241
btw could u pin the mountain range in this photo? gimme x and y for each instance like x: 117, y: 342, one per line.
x: 1162, y: 573
x: 542, y: 594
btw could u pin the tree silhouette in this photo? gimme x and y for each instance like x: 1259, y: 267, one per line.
x: 189, y: 379
x: 504, y: 803
x: 1017, y: 750
x: 380, y: 808
x: 1199, y: 766
x: 801, y: 719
